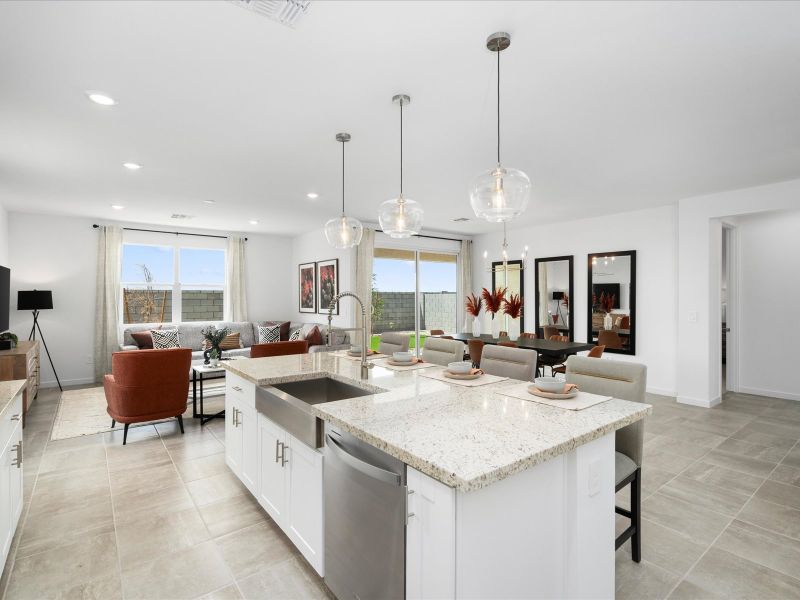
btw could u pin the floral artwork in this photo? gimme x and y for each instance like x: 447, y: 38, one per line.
x: 328, y: 282
x: 307, y: 288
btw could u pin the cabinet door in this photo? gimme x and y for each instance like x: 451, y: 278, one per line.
x: 305, y: 501
x: 6, y: 529
x: 430, y: 538
x: 272, y: 486
x: 233, y: 437
x: 15, y: 477
x: 248, y: 426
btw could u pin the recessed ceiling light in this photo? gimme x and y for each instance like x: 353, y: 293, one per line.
x: 312, y: 195
x: 117, y: 206
x: 209, y: 202
x: 101, y: 98
x: 132, y: 166
x: 253, y: 222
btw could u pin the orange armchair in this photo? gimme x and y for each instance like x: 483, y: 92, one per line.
x: 279, y: 348
x: 147, y: 385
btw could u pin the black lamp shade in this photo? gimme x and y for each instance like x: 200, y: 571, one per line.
x: 558, y: 295
x: 35, y: 300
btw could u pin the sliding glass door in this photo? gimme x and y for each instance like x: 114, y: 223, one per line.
x: 414, y: 292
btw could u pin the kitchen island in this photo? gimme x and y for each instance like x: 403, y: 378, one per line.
x: 507, y: 498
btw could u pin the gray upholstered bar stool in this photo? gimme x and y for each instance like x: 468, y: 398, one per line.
x: 441, y: 351
x: 627, y: 381
x: 516, y: 363
x: 393, y: 342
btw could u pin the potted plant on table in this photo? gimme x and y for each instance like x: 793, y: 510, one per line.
x: 607, y: 305
x: 213, y: 339
x: 512, y: 307
x: 494, y: 301
x: 474, y: 305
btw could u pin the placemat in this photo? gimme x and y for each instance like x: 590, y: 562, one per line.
x: 344, y: 354
x: 579, y: 402
x: 420, y: 365
x: 482, y: 380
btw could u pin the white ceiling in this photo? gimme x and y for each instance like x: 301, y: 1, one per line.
x: 608, y: 106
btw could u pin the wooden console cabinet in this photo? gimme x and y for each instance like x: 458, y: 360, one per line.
x: 22, y: 362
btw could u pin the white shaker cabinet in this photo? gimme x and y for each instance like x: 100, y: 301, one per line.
x: 10, y: 474
x: 272, y: 490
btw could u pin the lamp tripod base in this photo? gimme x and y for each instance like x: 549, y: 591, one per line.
x: 32, y: 336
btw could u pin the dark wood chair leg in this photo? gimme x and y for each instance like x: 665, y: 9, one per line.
x: 113, y: 423
x: 636, y: 516
x: 180, y: 422
x: 125, y: 434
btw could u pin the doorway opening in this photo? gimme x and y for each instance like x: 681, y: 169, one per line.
x: 728, y: 311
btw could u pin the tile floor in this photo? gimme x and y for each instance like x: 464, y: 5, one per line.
x: 163, y: 517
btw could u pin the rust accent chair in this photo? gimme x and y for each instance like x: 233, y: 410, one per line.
x: 609, y: 339
x: 509, y: 344
x: 279, y: 349
x: 475, y: 351
x: 148, y: 385
x: 550, y: 331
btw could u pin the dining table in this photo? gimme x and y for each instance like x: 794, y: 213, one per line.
x: 547, y: 347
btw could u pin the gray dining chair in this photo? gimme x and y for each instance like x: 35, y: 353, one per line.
x: 627, y: 381
x: 516, y: 363
x: 442, y: 352
x: 392, y: 341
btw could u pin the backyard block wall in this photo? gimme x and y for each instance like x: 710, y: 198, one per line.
x: 439, y: 310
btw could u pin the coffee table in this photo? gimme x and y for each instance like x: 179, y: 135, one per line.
x: 200, y: 373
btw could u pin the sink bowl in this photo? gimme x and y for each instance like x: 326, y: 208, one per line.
x: 288, y: 405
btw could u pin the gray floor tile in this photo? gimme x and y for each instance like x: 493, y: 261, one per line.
x: 786, y: 474
x: 288, y: 579
x: 700, y: 525
x: 666, y: 548
x: 255, y: 548
x: 735, y: 462
x: 743, y: 448
x: 704, y: 494
x: 780, y: 493
x: 775, y: 517
x: 642, y: 581
x: 734, y: 481
x: 761, y: 546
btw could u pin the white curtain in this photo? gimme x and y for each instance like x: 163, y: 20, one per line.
x: 107, y: 334
x: 465, y: 277
x: 364, y: 255
x: 235, y: 297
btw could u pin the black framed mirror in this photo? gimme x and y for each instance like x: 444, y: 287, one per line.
x: 554, y: 296
x: 512, y: 278
x: 611, y: 302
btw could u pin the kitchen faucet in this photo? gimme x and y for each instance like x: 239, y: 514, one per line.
x: 365, y: 366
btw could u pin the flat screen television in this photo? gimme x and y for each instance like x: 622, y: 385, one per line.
x: 608, y: 288
x: 5, y: 297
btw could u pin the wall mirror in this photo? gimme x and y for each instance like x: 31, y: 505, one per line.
x: 612, y: 301
x: 512, y: 277
x: 554, y: 295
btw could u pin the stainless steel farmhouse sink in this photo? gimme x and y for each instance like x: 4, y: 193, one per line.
x: 288, y: 405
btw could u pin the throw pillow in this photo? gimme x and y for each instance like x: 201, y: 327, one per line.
x: 284, y: 325
x: 314, y: 337
x: 231, y: 342
x: 269, y: 334
x: 165, y: 338
x: 143, y: 339
x: 295, y: 335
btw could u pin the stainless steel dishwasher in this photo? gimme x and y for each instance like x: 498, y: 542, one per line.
x: 366, y: 510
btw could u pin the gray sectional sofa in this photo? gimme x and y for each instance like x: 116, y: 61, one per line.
x: 190, y: 335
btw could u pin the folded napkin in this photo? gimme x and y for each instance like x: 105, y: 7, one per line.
x: 476, y: 372
x: 568, y: 387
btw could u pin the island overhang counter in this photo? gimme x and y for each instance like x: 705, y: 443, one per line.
x: 508, y: 497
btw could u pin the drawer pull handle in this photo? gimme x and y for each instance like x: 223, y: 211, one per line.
x: 237, y: 388
x: 18, y: 449
x: 15, y: 417
x: 284, y: 460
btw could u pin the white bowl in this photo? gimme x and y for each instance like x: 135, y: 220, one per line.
x: 549, y: 384
x: 461, y: 367
x: 403, y: 356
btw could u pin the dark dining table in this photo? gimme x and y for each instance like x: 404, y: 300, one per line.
x: 548, y: 347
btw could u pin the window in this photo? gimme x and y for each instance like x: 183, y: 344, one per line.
x: 163, y: 284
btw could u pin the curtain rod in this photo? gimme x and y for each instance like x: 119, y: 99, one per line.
x: 223, y: 237
x: 431, y: 237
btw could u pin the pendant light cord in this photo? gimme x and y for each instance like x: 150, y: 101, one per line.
x: 342, y: 177
x: 401, y: 147
x: 498, y: 106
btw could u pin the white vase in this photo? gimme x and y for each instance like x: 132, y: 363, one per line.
x: 214, y: 362
x: 476, y: 327
x: 608, y: 322
x: 495, y: 326
x: 513, y: 329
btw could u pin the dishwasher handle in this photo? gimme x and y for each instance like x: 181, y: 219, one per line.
x: 364, y: 467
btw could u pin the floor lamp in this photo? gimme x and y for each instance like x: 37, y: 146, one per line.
x: 34, y: 301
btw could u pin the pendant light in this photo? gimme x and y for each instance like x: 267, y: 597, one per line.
x: 400, y: 217
x: 502, y: 193
x: 344, y: 231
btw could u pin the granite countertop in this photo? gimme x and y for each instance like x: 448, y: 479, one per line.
x: 8, y: 391
x: 465, y: 437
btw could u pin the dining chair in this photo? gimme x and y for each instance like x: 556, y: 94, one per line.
x: 503, y: 334
x: 549, y: 331
x: 527, y: 336
x: 391, y: 341
x: 509, y: 344
x: 446, y: 337
x: 546, y: 360
x: 516, y: 363
x: 609, y: 339
x: 442, y: 352
x: 625, y: 322
x: 628, y: 381
x: 437, y: 331
x: 475, y: 348
x: 595, y: 352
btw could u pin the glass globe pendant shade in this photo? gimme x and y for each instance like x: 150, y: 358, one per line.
x: 400, y: 217
x: 500, y: 194
x: 344, y: 232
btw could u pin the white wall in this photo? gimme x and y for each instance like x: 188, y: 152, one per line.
x: 769, y: 288
x: 60, y: 253
x: 3, y: 236
x: 699, y: 259
x: 652, y: 233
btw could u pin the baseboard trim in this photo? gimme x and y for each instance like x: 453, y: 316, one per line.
x: 661, y: 392
x: 66, y: 382
x: 699, y: 401
x: 769, y: 393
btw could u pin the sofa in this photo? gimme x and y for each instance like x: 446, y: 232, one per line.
x: 191, y: 336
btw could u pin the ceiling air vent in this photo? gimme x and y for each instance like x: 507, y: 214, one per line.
x: 179, y: 216
x: 285, y: 12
